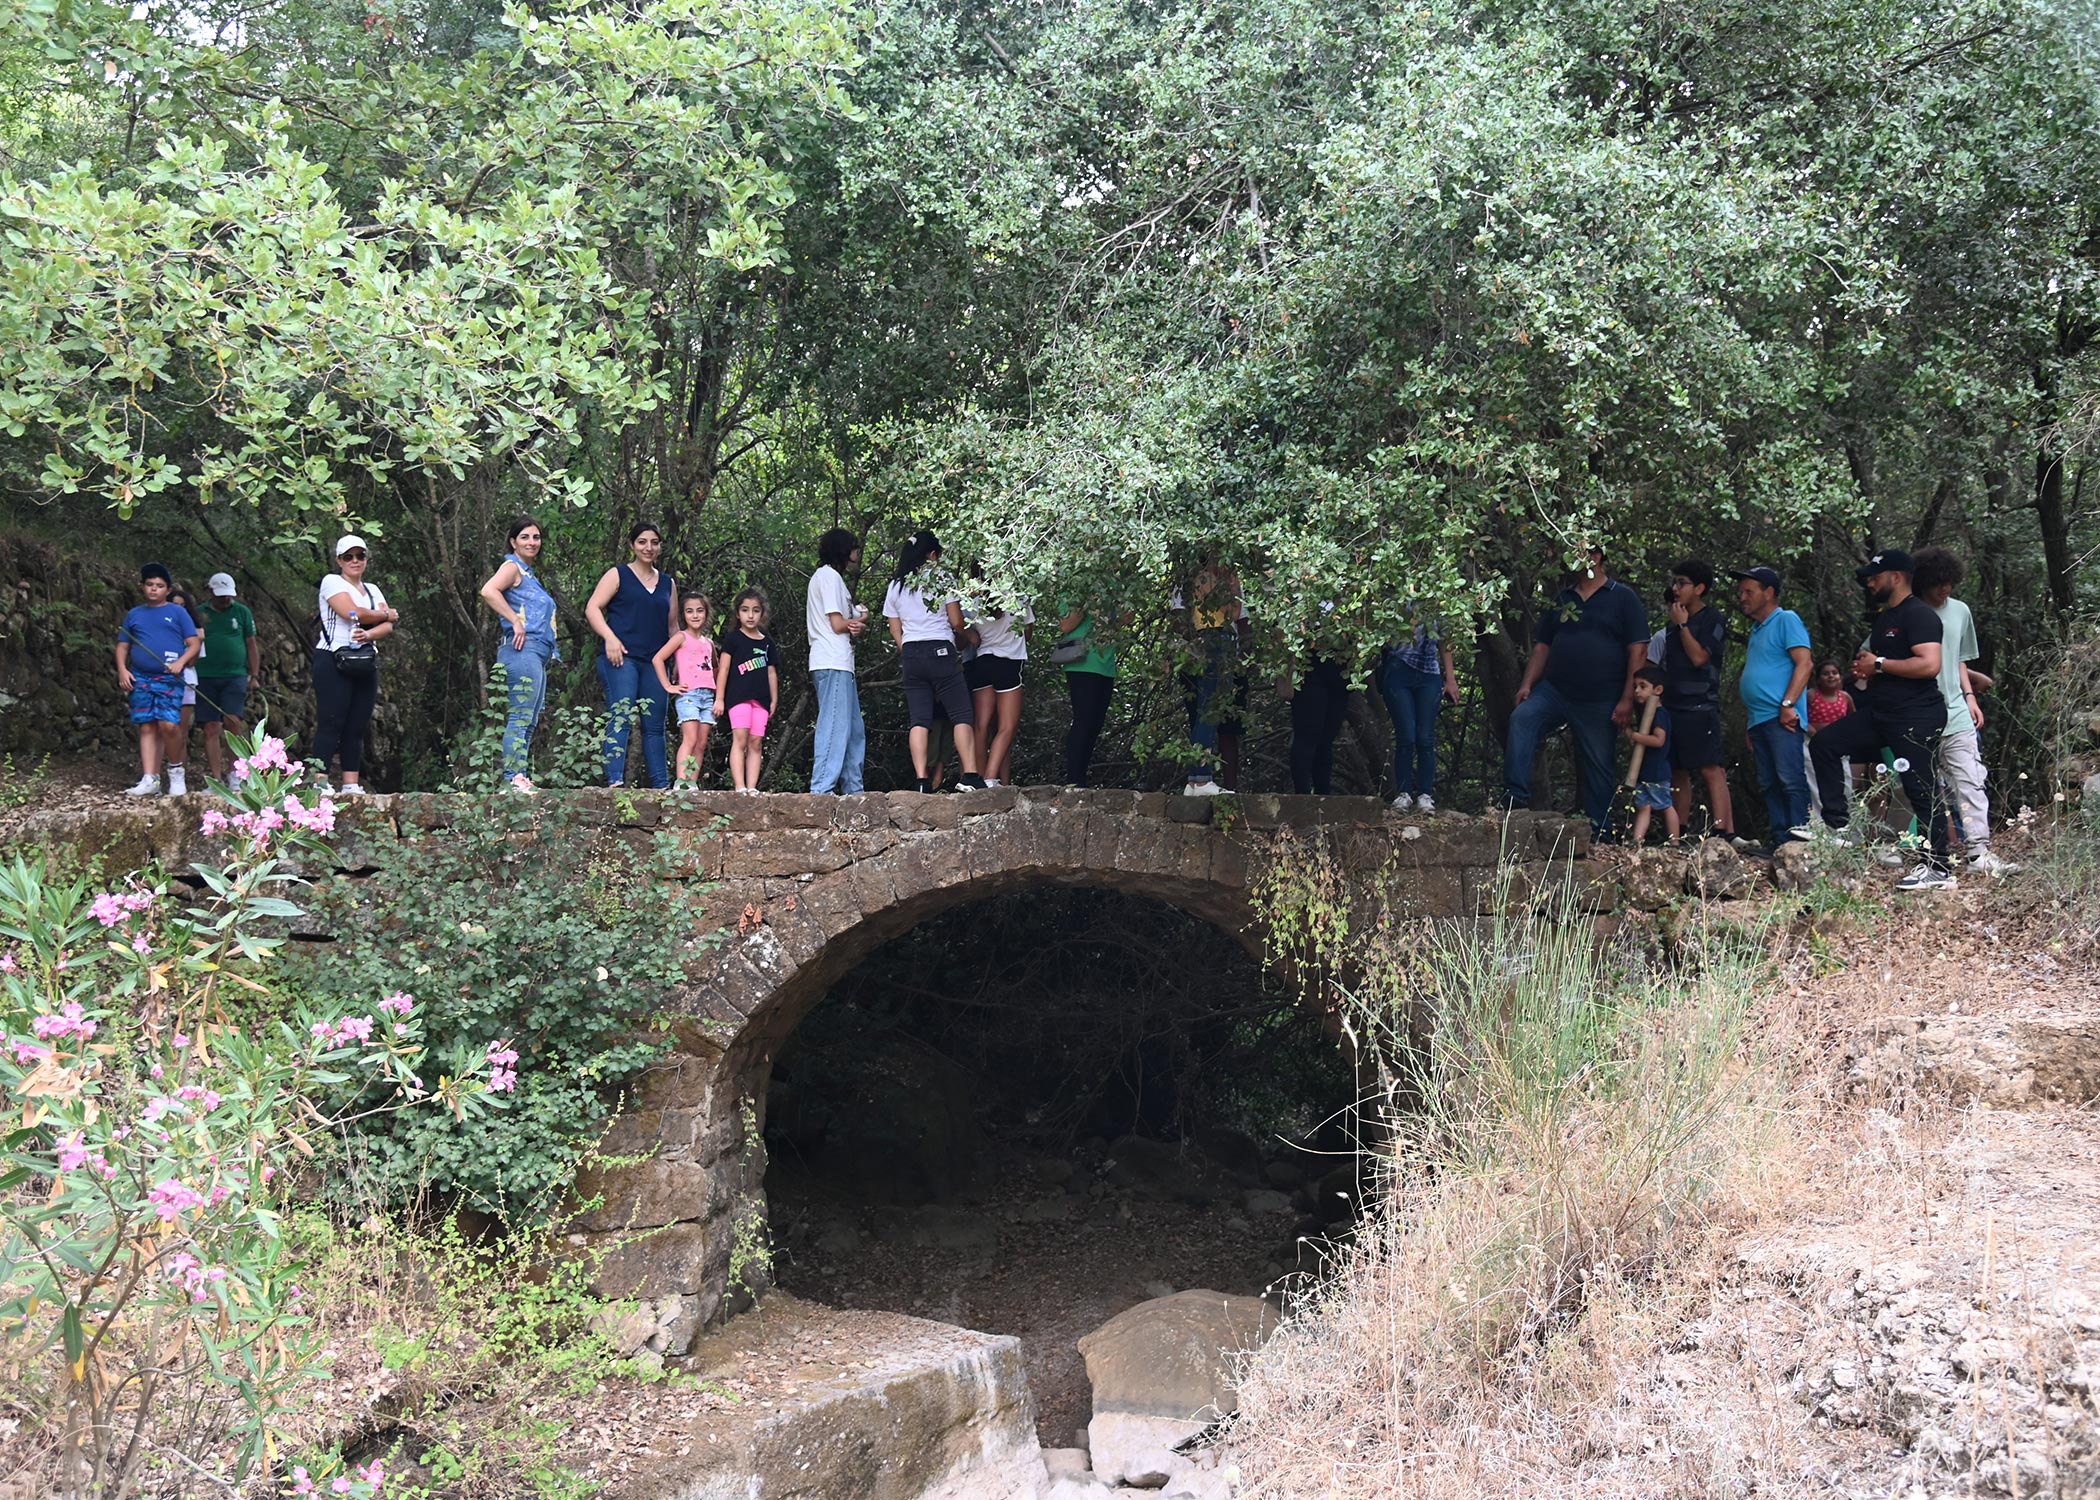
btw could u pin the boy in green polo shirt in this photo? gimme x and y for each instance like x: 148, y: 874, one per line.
x: 230, y: 659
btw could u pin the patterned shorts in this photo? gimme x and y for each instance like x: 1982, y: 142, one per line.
x: 156, y: 698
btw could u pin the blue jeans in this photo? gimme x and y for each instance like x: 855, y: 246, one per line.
x: 1218, y: 651
x: 1588, y: 724
x: 1413, y: 697
x: 525, y: 681
x: 633, y: 695
x: 842, y: 734
x: 1783, y: 773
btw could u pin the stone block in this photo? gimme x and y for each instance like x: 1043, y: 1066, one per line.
x: 674, y: 1260
x: 676, y: 1081
x: 1228, y: 861
x: 1108, y: 799
x: 653, y: 1193
x: 863, y: 812
x: 784, y: 852
x: 993, y: 799
x: 832, y: 903
x: 868, y: 883
x: 1190, y: 809
x: 1060, y: 839
x: 798, y: 810
x: 638, y: 1132
x: 922, y: 812
x: 987, y: 846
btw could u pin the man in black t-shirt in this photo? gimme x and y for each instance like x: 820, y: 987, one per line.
x: 1904, y: 712
x: 1692, y: 644
x: 1590, y: 642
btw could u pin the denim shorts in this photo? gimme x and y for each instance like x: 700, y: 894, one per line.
x: 696, y: 706
x: 221, y: 698
x: 1652, y: 794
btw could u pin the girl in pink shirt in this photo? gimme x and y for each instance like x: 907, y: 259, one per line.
x: 692, y: 650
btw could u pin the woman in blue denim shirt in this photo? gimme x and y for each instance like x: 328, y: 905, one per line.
x: 1416, y: 679
x: 528, y: 648
x: 634, y: 609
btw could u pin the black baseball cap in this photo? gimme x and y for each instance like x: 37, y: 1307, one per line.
x: 157, y: 570
x: 1894, y: 560
x: 1769, y: 577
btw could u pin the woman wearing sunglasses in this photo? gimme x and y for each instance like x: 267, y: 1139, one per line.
x: 355, y: 617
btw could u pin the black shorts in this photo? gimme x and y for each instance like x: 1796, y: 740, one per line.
x: 1002, y: 674
x: 1695, y: 739
x: 933, y: 674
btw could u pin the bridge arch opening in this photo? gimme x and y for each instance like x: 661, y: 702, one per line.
x: 1040, y: 1106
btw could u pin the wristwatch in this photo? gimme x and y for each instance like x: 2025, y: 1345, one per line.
x: 1786, y: 703
x: 1880, y: 662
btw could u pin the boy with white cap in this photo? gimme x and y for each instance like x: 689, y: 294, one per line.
x: 231, y: 657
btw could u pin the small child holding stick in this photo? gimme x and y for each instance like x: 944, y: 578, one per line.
x: 1650, y: 774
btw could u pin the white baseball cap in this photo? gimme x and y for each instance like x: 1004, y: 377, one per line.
x: 348, y: 540
x: 221, y: 584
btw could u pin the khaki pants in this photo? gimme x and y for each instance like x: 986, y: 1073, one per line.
x: 1961, y: 772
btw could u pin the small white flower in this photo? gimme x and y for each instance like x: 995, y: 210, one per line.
x: 2059, y: 796
x: 1902, y: 765
x: 2023, y: 776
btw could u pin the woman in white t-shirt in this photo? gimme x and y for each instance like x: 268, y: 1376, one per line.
x: 994, y: 675
x: 354, y: 617
x: 925, y: 620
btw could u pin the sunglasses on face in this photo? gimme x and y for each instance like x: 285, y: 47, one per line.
x: 353, y: 557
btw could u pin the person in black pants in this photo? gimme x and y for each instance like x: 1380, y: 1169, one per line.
x: 1318, y: 705
x: 1904, y: 712
x: 1090, y: 675
x: 355, y: 617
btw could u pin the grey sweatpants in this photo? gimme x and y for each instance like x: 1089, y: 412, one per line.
x: 1961, y: 772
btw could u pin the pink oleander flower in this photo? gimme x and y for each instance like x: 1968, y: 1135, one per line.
x: 174, y: 1197
x: 301, y: 1484
x: 72, y: 1152
x: 28, y: 1052
x: 109, y: 911
x: 503, y: 1076
x: 209, y: 1098
x: 355, y: 1028
x: 269, y: 756
x: 7, y: 963
x: 179, y: 1041
x: 154, y: 1071
x: 72, y: 1021
x: 400, y: 1003
x: 373, y: 1473
x: 140, y: 944
x: 213, y: 822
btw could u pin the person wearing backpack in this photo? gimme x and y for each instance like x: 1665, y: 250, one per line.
x: 354, y: 618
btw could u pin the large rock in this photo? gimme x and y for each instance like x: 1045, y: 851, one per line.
x: 1655, y: 878
x: 909, y: 1410
x: 1719, y: 873
x: 1138, y: 1451
x: 1794, y: 866
x: 1172, y: 1358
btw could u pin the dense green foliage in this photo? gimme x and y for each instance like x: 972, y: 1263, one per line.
x: 1387, y: 305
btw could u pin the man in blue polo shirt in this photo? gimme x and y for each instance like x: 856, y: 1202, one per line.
x: 1776, y: 665
x: 1590, y: 642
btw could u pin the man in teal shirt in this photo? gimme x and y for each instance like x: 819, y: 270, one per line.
x: 1776, y: 665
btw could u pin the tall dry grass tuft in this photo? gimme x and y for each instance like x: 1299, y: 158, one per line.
x: 1569, y: 1128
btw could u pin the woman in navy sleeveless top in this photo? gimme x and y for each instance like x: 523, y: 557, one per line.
x: 634, y: 609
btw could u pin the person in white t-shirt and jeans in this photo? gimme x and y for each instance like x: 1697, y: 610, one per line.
x: 834, y: 623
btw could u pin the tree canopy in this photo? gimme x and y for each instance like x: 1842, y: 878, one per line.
x: 1392, y: 308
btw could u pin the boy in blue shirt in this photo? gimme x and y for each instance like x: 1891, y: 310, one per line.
x: 1653, y: 790
x: 155, y: 642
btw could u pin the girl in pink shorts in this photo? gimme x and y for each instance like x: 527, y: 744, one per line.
x: 749, y: 685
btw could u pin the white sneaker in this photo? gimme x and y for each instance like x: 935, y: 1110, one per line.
x: 178, y: 782
x: 351, y: 789
x: 991, y: 781
x: 1424, y: 804
x: 1401, y: 803
x: 1926, y: 878
x: 1983, y: 862
x: 1202, y: 789
x: 149, y: 786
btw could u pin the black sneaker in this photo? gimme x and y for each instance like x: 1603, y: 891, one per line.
x: 1927, y: 877
x: 969, y: 781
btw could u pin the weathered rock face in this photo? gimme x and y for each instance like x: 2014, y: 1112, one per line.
x: 924, y: 1411
x: 1172, y: 1357
x: 1995, y: 1062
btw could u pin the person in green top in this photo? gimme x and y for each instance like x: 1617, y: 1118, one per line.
x: 1091, y: 679
x: 230, y: 659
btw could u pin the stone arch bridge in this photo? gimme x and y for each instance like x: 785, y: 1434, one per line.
x: 801, y: 888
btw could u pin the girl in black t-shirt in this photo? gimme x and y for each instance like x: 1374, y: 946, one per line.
x: 749, y: 683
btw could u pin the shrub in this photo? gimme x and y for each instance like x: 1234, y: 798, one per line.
x: 525, y: 919
x: 150, y: 1316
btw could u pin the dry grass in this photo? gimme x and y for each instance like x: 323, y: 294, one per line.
x: 1587, y: 1135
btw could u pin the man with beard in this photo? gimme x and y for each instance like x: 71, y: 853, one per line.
x: 1905, y: 713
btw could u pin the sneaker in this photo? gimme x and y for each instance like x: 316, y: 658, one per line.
x: 1927, y: 878
x: 1983, y: 862
x: 1424, y: 804
x: 992, y: 781
x: 351, y: 789
x: 1742, y: 845
x: 149, y: 786
x: 178, y: 782
x: 523, y: 783
x: 969, y: 781
x: 1401, y: 803
x: 1203, y: 789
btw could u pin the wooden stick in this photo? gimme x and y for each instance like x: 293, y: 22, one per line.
x: 1633, y: 772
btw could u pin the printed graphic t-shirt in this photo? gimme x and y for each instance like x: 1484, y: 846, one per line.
x: 157, y: 634
x: 743, y: 670
x: 226, y: 635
